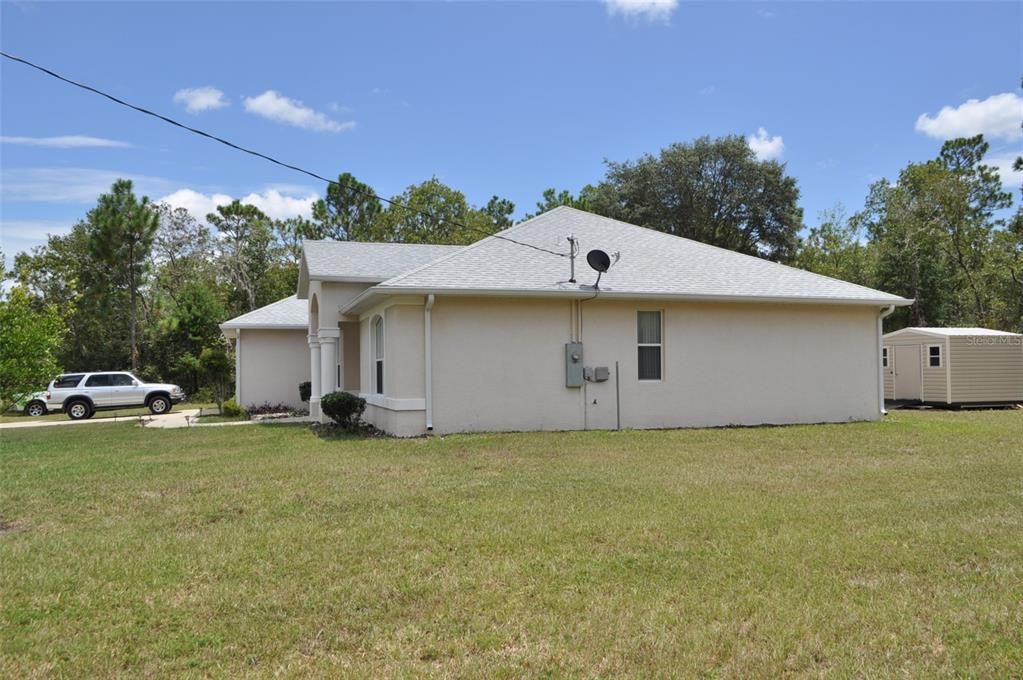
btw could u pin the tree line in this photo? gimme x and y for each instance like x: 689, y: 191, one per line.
x: 142, y: 285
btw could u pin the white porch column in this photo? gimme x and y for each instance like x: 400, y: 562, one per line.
x: 328, y: 360
x: 314, y: 376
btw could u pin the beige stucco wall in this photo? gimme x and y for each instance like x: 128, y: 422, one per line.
x: 273, y: 363
x: 934, y: 380
x: 986, y: 368
x: 498, y: 364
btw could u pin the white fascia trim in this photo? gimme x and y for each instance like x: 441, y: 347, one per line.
x: 264, y: 326
x: 922, y: 331
x: 356, y: 304
x: 393, y: 403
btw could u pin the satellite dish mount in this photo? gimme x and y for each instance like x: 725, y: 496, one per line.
x: 600, y: 262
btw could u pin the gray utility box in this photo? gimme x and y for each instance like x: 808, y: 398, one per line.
x: 574, y: 375
x: 597, y: 373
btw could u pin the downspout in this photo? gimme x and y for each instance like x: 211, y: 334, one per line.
x: 428, y: 343
x: 884, y: 314
x: 238, y: 367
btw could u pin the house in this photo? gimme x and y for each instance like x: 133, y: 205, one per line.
x: 953, y: 366
x: 497, y: 336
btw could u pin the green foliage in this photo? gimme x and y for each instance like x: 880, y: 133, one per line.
x: 343, y: 408
x: 124, y: 228
x: 230, y: 408
x: 30, y: 336
x: 836, y: 248
x: 714, y: 191
x: 433, y: 212
x: 246, y: 254
x: 552, y: 198
x: 347, y: 213
x: 217, y: 366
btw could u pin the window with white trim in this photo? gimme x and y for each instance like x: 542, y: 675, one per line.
x: 934, y: 356
x: 378, y: 355
x: 649, y: 346
x: 884, y: 357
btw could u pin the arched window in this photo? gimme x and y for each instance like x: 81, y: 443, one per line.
x: 378, y: 355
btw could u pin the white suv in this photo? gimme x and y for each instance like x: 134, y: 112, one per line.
x: 80, y: 395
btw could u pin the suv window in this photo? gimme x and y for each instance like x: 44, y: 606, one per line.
x: 98, y: 380
x: 121, y: 380
x: 68, y: 380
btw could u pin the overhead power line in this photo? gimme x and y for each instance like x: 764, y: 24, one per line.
x: 271, y: 159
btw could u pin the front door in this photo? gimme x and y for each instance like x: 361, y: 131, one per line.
x: 907, y: 372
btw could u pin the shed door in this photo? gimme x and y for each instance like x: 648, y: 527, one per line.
x: 907, y: 372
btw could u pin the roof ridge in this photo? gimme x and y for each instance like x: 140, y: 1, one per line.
x: 380, y: 243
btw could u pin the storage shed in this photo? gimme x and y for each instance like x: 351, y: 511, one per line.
x: 953, y: 366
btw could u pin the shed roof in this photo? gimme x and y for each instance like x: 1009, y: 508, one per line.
x: 946, y: 332
x: 283, y: 314
x: 653, y: 265
x: 358, y: 262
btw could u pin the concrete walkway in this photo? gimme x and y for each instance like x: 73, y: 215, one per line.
x: 168, y: 421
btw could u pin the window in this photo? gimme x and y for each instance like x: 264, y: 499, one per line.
x: 98, y: 380
x: 121, y: 380
x: 378, y: 355
x: 648, y: 339
x: 884, y: 357
x: 66, y: 381
x: 934, y: 356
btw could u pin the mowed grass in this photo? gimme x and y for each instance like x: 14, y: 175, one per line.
x: 872, y: 549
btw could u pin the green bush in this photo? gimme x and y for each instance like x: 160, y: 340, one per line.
x: 203, y: 395
x: 343, y: 408
x: 231, y: 409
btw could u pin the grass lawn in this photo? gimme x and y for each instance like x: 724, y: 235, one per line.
x: 872, y: 549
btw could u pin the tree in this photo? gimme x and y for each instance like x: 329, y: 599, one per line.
x: 347, y: 213
x: 835, y: 248
x: 190, y: 325
x: 217, y: 367
x: 245, y: 243
x: 29, y: 339
x: 499, y: 210
x: 183, y: 250
x: 714, y: 191
x: 552, y: 198
x: 123, y: 231
x: 432, y: 212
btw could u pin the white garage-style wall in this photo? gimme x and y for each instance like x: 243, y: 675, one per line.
x: 498, y: 364
x: 271, y: 364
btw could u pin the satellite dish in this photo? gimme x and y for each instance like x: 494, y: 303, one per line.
x: 598, y: 260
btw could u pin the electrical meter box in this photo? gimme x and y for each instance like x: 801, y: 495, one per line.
x: 574, y: 364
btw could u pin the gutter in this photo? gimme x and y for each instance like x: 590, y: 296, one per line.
x: 882, y: 315
x: 367, y: 296
x: 428, y: 343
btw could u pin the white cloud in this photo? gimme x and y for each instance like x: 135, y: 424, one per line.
x: 766, y: 148
x: 997, y: 116
x: 274, y: 203
x: 652, y: 10
x: 197, y: 99
x: 277, y: 107
x: 1002, y: 162
x: 65, y: 142
x: 70, y: 185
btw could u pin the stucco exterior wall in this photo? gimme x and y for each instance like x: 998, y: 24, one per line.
x: 498, y: 364
x: 986, y: 368
x: 272, y: 364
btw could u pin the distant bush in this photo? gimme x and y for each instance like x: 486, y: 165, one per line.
x: 203, y: 395
x: 231, y: 409
x: 305, y: 390
x: 343, y: 408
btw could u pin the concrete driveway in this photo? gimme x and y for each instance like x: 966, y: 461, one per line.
x: 169, y: 420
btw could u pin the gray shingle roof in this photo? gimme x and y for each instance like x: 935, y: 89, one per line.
x: 951, y: 331
x: 287, y: 313
x: 653, y: 264
x: 359, y: 262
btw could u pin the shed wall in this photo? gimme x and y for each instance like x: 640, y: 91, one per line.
x: 987, y: 368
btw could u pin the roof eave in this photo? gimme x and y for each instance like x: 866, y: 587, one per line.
x: 368, y: 297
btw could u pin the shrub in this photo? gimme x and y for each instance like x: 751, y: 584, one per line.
x: 343, y: 408
x: 266, y: 407
x: 305, y: 390
x: 203, y: 395
x: 231, y: 409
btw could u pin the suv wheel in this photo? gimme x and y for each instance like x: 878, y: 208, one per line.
x: 34, y: 409
x: 159, y: 405
x: 78, y: 409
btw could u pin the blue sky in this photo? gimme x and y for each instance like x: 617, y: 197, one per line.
x: 493, y: 98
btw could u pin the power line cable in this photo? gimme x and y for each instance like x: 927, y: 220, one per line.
x: 271, y: 159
